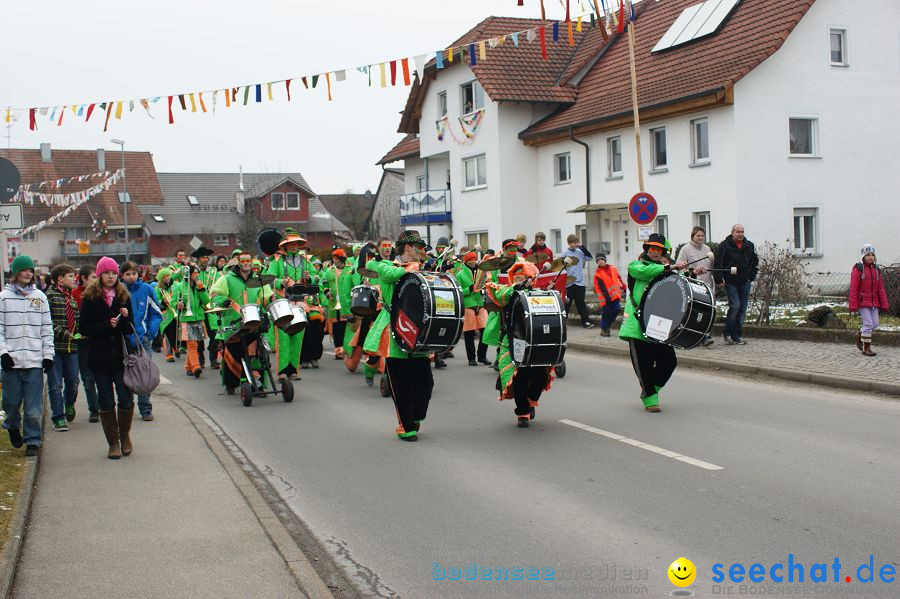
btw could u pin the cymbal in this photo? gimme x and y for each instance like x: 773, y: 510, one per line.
x: 538, y: 257
x: 216, y: 310
x: 260, y: 281
x: 560, y: 263
x: 366, y: 272
x: 498, y: 263
x: 570, y: 279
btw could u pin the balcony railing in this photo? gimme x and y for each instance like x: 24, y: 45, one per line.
x: 135, y: 248
x: 426, y: 207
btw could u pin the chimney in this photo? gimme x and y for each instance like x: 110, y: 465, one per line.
x: 101, y: 160
x: 45, y: 152
x: 241, y: 177
x: 239, y: 196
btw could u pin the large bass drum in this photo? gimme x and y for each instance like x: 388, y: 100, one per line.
x: 536, y: 324
x: 677, y: 311
x: 426, y: 312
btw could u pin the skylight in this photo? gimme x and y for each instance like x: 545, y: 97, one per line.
x: 192, y: 200
x: 158, y: 218
x: 696, y: 22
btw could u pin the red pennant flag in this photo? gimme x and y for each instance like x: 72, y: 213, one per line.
x: 543, y: 33
x: 521, y: 2
x: 567, y: 11
x: 59, y: 122
x: 571, y: 38
x: 89, y: 112
x: 32, y: 124
x: 621, y: 27
x: 393, y: 72
x: 171, y: 118
x: 405, y: 63
x: 287, y: 85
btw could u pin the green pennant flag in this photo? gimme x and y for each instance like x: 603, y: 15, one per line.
x: 315, y: 81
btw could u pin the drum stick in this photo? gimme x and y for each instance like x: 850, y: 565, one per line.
x: 733, y: 270
x: 478, y: 250
x: 709, y: 256
x: 449, y: 248
x: 568, y: 262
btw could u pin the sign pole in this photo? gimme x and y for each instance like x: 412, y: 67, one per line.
x: 634, y: 106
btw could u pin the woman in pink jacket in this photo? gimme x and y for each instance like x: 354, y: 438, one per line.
x: 867, y: 296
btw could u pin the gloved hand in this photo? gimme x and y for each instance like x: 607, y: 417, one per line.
x: 6, y: 362
x: 226, y: 303
x: 48, y: 365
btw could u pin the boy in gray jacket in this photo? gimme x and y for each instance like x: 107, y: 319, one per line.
x: 26, y: 346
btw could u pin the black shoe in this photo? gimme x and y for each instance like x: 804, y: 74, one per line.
x: 94, y: 417
x: 496, y: 366
x: 604, y: 333
x: 523, y: 422
x: 473, y: 363
x: 531, y: 413
x: 438, y: 363
x: 729, y: 341
x: 450, y: 355
x: 229, y: 390
x: 31, y: 451
x: 410, y: 439
x: 707, y: 342
x: 485, y: 361
x: 588, y: 325
x: 15, y: 437
x: 740, y: 342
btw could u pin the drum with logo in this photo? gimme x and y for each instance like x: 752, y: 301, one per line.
x: 677, y: 311
x: 427, y: 312
x: 363, y: 301
x: 536, y: 324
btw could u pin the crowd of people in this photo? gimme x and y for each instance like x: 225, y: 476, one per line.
x: 75, y: 326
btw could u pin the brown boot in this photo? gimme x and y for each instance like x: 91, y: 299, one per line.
x: 125, y: 417
x: 111, y: 430
x: 867, y: 350
x: 859, y: 344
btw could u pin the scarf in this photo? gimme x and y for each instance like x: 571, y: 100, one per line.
x: 23, y: 291
x: 108, y: 295
x: 70, y: 313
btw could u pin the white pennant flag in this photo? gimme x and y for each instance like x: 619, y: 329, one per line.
x: 531, y: 35
x: 340, y: 75
x: 420, y: 65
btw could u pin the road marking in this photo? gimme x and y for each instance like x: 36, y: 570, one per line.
x: 640, y: 444
x: 164, y: 381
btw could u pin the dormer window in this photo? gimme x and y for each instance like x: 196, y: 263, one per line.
x: 472, y: 97
x: 159, y: 218
x: 192, y: 200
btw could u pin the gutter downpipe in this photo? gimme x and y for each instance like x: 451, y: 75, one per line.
x: 587, y: 163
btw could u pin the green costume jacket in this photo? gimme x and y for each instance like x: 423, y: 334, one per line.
x: 643, y: 271
x: 232, y: 286
x: 198, y: 301
x: 293, y: 266
x: 388, y: 275
x: 466, y: 279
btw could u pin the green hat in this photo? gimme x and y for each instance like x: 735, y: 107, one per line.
x: 21, y: 263
x: 163, y: 273
x: 237, y: 252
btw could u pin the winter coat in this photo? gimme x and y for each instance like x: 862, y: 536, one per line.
x: 62, y: 334
x: 26, y: 332
x: 690, y: 252
x: 147, y: 315
x: 642, y: 271
x: 728, y: 254
x: 611, y: 281
x: 867, y: 291
x: 534, y: 249
x: 104, y: 341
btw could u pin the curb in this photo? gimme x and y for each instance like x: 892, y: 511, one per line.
x: 296, y: 561
x: 799, y: 376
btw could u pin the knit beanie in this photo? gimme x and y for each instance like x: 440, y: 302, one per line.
x: 107, y: 264
x: 21, y: 263
x: 866, y: 249
x: 163, y: 273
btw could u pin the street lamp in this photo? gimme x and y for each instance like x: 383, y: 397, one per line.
x: 125, y: 201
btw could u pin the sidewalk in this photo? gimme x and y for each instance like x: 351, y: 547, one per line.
x: 827, y: 364
x: 167, y: 521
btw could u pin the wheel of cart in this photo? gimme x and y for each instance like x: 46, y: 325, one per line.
x: 257, y: 380
x: 385, y: 385
x: 560, y: 369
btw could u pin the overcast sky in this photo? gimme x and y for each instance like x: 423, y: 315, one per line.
x: 78, y: 52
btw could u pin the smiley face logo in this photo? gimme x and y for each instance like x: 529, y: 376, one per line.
x: 682, y: 572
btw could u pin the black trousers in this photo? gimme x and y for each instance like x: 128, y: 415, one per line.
x: 232, y: 370
x: 312, y: 341
x: 169, y: 332
x: 338, y: 329
x: 575, y: 293
x: 528, y: 384
x: 653, y: 364
x: 411, y: 384
x: 110, y: 386
x: 469, y: 338
x: 212, y: 344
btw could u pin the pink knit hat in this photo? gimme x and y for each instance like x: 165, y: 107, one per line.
x: 106, y: 264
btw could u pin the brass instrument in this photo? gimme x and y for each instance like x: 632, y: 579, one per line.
x: 186, y: 277
x: 337, y: 305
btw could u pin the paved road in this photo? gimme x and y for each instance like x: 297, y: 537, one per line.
x: 731, y: 471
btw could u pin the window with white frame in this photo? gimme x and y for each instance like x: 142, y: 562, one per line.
x: 420, y: 183
x: 838, y: 47
x: 662, y: 225
x: 805, y: 230
x: 563, y: 167
x: 658, y: 148
x: 32, y: 236
x: 556, y: 240
x: 472, y: 97
x: 442, y: 104
x: 292, y: 201
x: 614, y: 156
x: 802, y: 136
x: 474, y: 174
x: 75, y: 233
x: 220, y: 239
x: 474, y: 238
x: 702, y: 220
x: 277, y: 201
x: 700, y: 141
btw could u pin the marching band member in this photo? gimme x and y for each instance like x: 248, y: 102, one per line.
x: 491, y: 335
x: 524, y: 384
x: 164, y: 300
x: 467, y: 274
x: 208, y: 276
x: 289, y: 268
x: 411, y: 381
x: 338, y: 313
x: 190, y: 297
x: 653, y: 363
x: 377, y: 344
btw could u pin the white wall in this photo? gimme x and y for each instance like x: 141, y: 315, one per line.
x: 44, y: 249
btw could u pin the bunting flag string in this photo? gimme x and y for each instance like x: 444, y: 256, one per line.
x: 469, y: 125
x: 57, y: 183
x: 26, y: 196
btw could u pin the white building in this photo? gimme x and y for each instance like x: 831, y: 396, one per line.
x: 766, y: 117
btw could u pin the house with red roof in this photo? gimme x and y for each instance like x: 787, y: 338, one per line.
x: 751, y: 111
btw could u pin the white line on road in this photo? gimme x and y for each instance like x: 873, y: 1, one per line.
x: 642, y: 445
x: 164, y: 381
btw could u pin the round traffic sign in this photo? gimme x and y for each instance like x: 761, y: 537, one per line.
x: 9, y: 179
x: 642, y: 208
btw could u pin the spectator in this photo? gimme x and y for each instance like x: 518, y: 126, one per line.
x: 147, y: 318
x: 697, y: 251
x: 107, y: 320
x: 736, y: 251
x: 540, y: 246
x: 64, y: 317
x: 26, y: 346
x: 575, y: 290
x: 610, y: 290
x: 867, y: 296
x: 86, y: 276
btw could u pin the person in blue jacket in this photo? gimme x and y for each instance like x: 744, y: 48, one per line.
x: 147, y: 318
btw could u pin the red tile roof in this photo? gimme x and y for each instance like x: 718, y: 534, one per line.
x: 406, y: 148
x: 141, y: 180
x: 755, y: 30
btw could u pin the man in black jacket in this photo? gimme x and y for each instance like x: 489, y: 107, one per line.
x: 736, y: 251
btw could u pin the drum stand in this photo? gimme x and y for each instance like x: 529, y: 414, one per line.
x: 251, y: 386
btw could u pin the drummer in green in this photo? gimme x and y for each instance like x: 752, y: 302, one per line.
x: 467, y: 275
x: 208, y: 275
x: 338, y: 312
x: 653, y: 363
x: 411, y: 381
x: 377, y: 342
x: 491, y: 335
x: 290, y: 267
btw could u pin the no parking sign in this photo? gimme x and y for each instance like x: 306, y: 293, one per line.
x: 642, y: 208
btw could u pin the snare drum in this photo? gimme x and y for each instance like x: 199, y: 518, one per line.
x: 677, y: 311
x: 250, y: 318
x: 536, y: 324
x: 363, y: 301
x: 279, y: 312
x: 298, y: 320
x: 426, y: 312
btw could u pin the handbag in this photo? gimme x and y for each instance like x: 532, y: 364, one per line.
x: 141, y: 374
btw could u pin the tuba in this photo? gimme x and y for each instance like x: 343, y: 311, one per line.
x: 267, y: 241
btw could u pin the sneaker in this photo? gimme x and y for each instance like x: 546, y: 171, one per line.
x: 729, y: 341
x: 31, y: 451
x: 94, y: 417
x: 198, y: 372
x: 438, y: 363
x: 370, y: 381
x: 450, y: 354
x: 707, y: 342
x: 296, y: 377
x: 740, y: 342
x: 604, y: 333
x: 653, y: 409
x: 523, y: 422
x: 147, y: 417
x: 531, y: 413
x: 314, y: 363
x: 60, y: 425
x: 70, y: 413
x: 588, y: 325
x: 15, y: 437
x: 485, y: 362
x: 231, y: 390
x: 170, y: 358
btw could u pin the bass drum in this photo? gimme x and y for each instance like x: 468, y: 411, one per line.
x: 427, y: 312
x: 536, y: 323
x: 677, y: 311
x: 363, y: 301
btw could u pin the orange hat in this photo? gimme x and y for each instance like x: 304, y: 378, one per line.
x: 528, y: 269
x: 473, y: 255
x: 339, y: 252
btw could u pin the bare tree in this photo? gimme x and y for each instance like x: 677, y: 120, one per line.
x: 781, y: 279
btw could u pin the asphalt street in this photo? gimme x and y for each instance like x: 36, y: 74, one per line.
x: 598, y: 495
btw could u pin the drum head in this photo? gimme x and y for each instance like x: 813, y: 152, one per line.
x: 408, y: 310
x: 664, y: 306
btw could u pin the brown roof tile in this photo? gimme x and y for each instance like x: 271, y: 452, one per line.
x: 405, y: 148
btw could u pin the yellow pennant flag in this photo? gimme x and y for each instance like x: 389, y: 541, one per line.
x: 383, y: 75
x: 7, y: 115
x: 119, y: 110
x: 450, y: 54
x: 578, y: 27
x: 74, y: 109
x: 193, y: 103
x: 482, y: 53
x: 269, y: 88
